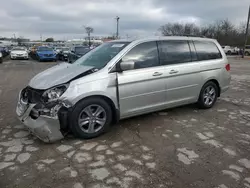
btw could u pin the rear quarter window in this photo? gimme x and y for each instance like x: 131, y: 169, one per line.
x: 207, y: 50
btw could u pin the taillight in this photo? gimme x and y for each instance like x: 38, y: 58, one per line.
x: 227, y: 67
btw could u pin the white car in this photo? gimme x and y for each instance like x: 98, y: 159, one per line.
x: 19, y: 53
x: 228, y: 50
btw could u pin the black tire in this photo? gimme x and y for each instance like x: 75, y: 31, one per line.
x: 1, y: 60
x: 201, y: 101
x: 229, y: 52
x: 247, y: 53
x: 74, y: 126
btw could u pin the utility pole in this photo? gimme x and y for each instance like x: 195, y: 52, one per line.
x: 41, y: 37
x: 14, y: 37
x: 117, y: 26
x: 246, y: 35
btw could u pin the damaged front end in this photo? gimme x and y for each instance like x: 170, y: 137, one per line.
x: 43, y: 113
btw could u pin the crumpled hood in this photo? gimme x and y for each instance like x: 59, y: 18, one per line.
x: 57, y: 75
x: 18, y: 52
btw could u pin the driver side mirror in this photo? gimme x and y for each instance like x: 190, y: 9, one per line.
x: 126, y: 65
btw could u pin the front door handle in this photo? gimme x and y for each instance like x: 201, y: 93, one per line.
x: 157, y: 74
x: 173, y: 72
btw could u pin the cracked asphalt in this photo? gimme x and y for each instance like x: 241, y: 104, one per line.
x: 180, y: 147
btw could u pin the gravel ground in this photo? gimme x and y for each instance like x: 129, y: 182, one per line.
x: 180, y: 147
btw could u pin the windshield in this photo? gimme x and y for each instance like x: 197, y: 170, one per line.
x: 45, y: 49
x: 65, y: 49
x: 100, y: 56
x: 15, y: 49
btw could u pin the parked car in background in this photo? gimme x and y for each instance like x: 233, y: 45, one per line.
x: 45, y: 53
x: 77, y: 52
x: 121, y: 79
x: 58, y: 49
x: 228, y: 50
x: 4, y: 50
x: 247, y: 50
x: 19, y: 53
x: 1, y: 57
x: 63, y: 54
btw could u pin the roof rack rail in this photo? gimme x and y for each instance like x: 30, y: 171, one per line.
x: 188, y: 35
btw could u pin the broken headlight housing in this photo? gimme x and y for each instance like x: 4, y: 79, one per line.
x: 53, y: 94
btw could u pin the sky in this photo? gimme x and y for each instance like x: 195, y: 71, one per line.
x: 66, y: 19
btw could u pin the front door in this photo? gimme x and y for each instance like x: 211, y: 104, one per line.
x: 142, y: 89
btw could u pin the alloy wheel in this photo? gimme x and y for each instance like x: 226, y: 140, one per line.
x: 209, y: 95
x: 92, y: 118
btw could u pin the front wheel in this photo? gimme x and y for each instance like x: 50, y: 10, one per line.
x: 90, y: 118
x: 208, y: 95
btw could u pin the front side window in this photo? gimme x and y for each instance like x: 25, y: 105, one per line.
x: 207, y: 50
x: 144, y: 55
x: 100, y: 56
x: 174, y: 52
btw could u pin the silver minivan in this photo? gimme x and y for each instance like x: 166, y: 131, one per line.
x: 121, y: 79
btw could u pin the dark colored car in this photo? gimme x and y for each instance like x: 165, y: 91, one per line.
x: 4, y: 51
x: 45, y: 53
x: 77, y: 52
x: 63, y: 54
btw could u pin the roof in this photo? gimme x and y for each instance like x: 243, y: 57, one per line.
x: 163, y: 38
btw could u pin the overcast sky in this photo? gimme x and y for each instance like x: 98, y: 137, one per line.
x: 64, y: 19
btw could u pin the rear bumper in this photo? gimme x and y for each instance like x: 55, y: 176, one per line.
x: 45, y: 128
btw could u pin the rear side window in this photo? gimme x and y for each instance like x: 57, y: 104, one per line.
x: 207, y: 50
x: 174, y: 52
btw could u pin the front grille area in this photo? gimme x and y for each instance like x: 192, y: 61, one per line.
x: 48, y: 55
x: 33, y: 95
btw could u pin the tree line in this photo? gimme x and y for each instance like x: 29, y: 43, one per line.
x: 224, y: 31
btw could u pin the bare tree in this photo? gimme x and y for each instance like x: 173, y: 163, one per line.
x: 89, y: 30
x: 223, y: 30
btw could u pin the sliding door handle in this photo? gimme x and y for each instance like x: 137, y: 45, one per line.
x: 173, y: 72
x: 157, y: 73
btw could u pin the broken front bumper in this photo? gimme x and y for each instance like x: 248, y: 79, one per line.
x: 44, y: 127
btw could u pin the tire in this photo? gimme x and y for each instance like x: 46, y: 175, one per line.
x: 247, y: 53
x: 202, y: 102
x: 229, y: 52
x: 1, y: 60
x: 79, y: 112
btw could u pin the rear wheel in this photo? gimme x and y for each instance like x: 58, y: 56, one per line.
x: 208, y: 95
x: 90, y: 118
x: 247, y: 53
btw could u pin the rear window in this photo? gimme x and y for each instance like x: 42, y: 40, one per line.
x: 207, y: 50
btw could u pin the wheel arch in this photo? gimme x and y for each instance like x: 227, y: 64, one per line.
x: 115, y: 111
x: 216, y: 82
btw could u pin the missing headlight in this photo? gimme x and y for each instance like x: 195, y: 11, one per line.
x: 54, y: 93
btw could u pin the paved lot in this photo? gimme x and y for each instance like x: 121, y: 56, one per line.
x: 181, y: 147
